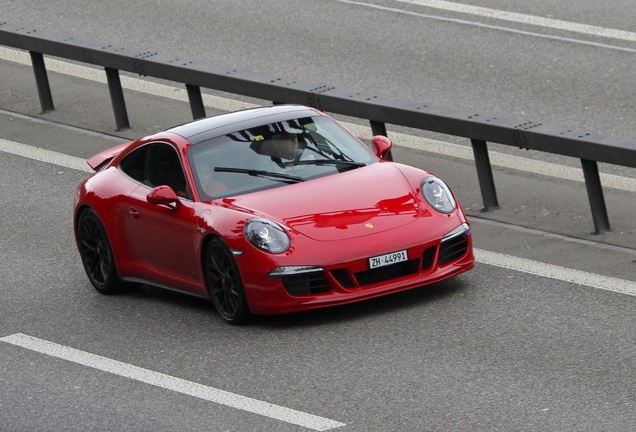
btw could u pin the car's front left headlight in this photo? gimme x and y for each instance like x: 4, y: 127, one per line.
x: 266, y: 235
x: 438, y: 195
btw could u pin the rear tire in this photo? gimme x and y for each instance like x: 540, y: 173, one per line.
x: 97, y: 254
x: 225, y: 284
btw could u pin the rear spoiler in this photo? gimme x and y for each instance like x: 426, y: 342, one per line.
x: 101, y: 159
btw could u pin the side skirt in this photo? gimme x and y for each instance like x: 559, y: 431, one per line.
x: 162, y: 286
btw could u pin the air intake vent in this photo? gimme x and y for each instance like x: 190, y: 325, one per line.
x: 306, y: 284
x: 342, y: 276
x: 427, y: 258
x: 452, y: 249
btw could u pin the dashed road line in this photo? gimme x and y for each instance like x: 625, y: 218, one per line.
x: 179, y: 385
x: 552, y: 271
x: 514, y: 17
x: 44, y: 155
x: 526, y: 19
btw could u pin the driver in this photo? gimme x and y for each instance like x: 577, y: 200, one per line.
x: 281, y: 150
x: 206, y: 177
x: 286, y: 146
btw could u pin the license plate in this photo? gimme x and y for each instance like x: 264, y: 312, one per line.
x: 388, y: 259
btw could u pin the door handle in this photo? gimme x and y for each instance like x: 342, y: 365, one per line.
x: 134, y: 213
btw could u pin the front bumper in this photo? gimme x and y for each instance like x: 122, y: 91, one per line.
x: 349, y: 281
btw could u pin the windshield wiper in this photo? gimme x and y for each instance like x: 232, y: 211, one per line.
x: 325, y: 162
x: 261, y: 173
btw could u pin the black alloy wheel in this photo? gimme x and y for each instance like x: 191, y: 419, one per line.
x: 97, y: 254
x: 225, y: 284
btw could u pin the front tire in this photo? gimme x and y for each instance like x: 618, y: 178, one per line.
x: 224, y: 283
x: 97, y: 254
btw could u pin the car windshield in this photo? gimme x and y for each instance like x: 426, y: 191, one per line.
x: 273, y: 155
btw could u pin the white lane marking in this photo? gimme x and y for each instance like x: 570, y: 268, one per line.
x: 53, y: 124
x: 179, y: 385
x: 44, y: 155
x: 556, y: 272
x: 428, y: 145
x: 526, y: 19
x: 500, y: 28
x: 559, y: 237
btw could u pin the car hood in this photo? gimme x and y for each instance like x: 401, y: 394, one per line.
x: 355, y: 203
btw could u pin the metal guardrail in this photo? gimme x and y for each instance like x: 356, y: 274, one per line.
x: 590, y: 148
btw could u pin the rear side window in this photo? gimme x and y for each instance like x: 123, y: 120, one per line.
x: 134, y: 164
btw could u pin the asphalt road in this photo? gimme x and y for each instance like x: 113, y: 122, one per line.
x: 494, y: 349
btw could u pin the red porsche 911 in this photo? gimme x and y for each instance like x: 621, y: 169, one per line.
x: 265, y: 211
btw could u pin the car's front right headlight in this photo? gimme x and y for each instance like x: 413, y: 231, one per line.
x: 266, y: 235
x: 438, y: 195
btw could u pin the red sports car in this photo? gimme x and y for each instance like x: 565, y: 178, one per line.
x: 265, y: 211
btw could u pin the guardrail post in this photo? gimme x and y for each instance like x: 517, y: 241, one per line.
x: 117, y: 98
x: 42, y: 82
x: 379, y: 128
x: 196, y: 101
x: 595, y: 195
x: 484, y: 175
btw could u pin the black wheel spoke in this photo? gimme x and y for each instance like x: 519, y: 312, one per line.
x: 217, y: 263
x: 232, y: 300
x: 103, y: 270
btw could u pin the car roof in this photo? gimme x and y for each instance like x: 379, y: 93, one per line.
x: 212, y: 127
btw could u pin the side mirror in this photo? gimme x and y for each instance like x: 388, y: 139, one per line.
x: 382, y: 146
x: 164, y: 195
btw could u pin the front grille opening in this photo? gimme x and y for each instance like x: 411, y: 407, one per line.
x: 306, y: 284
x: 342, y: 276
x: 383, y: 274
x: 452, y: 249
x: 428, y: 257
